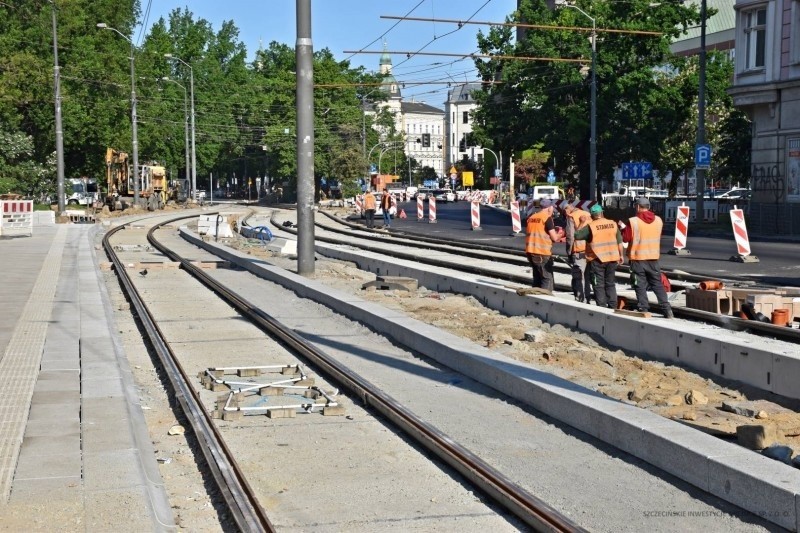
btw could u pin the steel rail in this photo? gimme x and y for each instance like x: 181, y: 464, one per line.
x: 237, y: 494
x: 533, y: 511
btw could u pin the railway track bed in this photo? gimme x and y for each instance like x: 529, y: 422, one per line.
x: 511, y: 439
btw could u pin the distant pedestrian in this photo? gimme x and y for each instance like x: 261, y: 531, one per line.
x: 643, y: 235
x: 369, y: 207
x: 576, y: 253
x: 603, y: 253
x: 541, y: 232
x: 387, y: 202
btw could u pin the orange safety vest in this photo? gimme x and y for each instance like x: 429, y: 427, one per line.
x: 603, y: 245
x: 645, y: 243
x: 369, y: 201
x: 538, y: 241
x: 578, y: 246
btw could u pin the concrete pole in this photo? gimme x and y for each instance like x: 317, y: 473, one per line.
x: 304, y: 51
x: 59, y: 128
x: 194, y: 152
x: 593, y: 134
x: 701, y: 113
x: 135, y: 139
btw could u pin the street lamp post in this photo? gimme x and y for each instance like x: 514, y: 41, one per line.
x: 593, y: 132
x: 499, y: 162
x: 191, y: 95
x: 59, y: 128
x: 701, y: 112
x: 185, y: 122
x: 135, y: 139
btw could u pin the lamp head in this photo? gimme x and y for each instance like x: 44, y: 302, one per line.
x: 168, y: 56
x: 561, y: 3
x: 102, y: 25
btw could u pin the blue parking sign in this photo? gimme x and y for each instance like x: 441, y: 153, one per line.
x: 702, y: 156
x: 551, y: 177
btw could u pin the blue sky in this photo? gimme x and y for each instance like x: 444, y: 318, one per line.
x: 341, y: 25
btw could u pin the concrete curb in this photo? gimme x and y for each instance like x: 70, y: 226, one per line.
x: 760, y: 485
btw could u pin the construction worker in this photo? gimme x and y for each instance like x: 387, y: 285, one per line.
x: 369, y: 207
x: 643, y: 235
x: 603, y: 253
x: 540, y: 234
x: 576, y: 252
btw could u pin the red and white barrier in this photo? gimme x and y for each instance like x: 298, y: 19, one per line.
x: 476, y: 216
x: 420, y: 208
x: 681, y: 231
x: 516, y: 223
x: 16, y: 217
x: 742, y: 240
x: 431, y: 209
x: 359, y: 204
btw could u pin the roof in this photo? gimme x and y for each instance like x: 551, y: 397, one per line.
x: 724, y: 19
x: 419, y: 108
x: 463, y: 92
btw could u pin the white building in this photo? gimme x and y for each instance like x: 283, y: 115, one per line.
x: 766, y: 86
x: 421, y: 125
x: 458, y: 114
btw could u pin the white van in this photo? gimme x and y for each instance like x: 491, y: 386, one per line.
x: 551, y: 192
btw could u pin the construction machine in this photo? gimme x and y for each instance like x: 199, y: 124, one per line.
x: 118, y: 178
x: 154, y: 186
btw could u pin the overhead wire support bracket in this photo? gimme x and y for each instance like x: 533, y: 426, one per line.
x: 472, y: 56
x: 522, y: 25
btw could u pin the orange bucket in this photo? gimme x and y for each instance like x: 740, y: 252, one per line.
x: 780, y: 317
x: 711, y: 285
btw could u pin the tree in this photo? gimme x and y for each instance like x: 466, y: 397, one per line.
x: 548, y: 101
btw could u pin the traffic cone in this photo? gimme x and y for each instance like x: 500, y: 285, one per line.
x: 403, y: 213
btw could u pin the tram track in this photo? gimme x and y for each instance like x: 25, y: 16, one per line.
x: 407, y: 246
x: 239, y: 497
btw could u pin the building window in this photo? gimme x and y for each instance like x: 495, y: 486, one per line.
x: 465, y: 117
x: 454, y: 117
x: 755, y: 35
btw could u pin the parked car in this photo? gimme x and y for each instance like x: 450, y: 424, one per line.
x: 737, y: 194
x: 423, y: 193
x: 444, y: 195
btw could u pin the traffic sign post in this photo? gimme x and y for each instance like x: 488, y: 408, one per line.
x: 637, y: 170
x: 551, y: 177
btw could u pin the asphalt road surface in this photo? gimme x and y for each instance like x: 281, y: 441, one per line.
x: 710, y: 255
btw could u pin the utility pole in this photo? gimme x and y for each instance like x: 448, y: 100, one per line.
x: 701, y: 114
x: 304, y: 51
x: 59, y: 128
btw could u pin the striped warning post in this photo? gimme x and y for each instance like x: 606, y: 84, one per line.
x: 359, y: 203
x: 742, y: 240
x: 16, y: 217
x: 681, y: 231
x: 516, y: 223
x: 420, y: 208
x: 476, y: 216
x: 431, y: 209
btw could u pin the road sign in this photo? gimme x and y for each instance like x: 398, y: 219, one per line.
x: 373, y: 169
x: 551, y: 177
x: 497, y: 173
x: 702, y: 156
x: 452, y: 170
x: 637, y: 170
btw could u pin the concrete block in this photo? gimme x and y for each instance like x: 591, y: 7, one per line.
x: 232, y: 415
x: 747, y: 364
x: 590, y: 319
x: 290, y: 370
x: 662, y: 339
x: 620, y: 331
x: 712, y: 301
x: 308, y: 382
x: 564, y: 313
x: 333, y: 410
x: 681, y: 451
x: 786, y: 375
x: 271, y: 391
x: 699, y: 351
x: 247, y: 372
x: 756, y: 436
x: 281, y: 413
x: 760, y: 485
